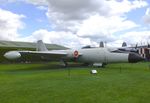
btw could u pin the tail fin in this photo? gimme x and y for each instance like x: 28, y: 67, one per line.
x: 101, y: 44
x: 124, y: 44
x: 41, y: 46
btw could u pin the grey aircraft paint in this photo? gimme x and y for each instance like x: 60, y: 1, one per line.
x: 88, y: 55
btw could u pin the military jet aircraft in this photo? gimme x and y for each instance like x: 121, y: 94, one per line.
x: 86, y: 55
x: 124, y: 48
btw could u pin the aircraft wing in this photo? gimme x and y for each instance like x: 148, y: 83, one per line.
x: 42, y: 55
x: 122, y: 50
x: 115, y: 50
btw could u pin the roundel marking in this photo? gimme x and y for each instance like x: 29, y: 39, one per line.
x: 76, y: 53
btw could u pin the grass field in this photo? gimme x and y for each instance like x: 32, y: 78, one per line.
x: 49, y: 83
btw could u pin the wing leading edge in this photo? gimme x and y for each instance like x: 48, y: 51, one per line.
x: 44, y: 55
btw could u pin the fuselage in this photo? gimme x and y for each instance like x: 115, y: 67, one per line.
x: 91, y: 55
x: 101, y: 55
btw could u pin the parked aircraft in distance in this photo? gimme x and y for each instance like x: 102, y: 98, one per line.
x: 124, y: 48
x: 95, y: 56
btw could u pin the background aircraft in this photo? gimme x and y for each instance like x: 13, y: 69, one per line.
x: 98, y: 56
x: 122, y: 49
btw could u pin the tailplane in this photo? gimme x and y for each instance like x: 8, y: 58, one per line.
x: 41, y: 46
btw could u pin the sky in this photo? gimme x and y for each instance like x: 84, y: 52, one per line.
x: 76, y: 23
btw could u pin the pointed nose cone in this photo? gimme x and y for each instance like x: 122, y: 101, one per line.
x: 12, y: 55
x: 134, y: 57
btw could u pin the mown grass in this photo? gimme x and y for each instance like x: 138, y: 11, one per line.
x: 49, y: 83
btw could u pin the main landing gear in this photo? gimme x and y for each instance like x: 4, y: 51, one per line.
x: 63, y: 63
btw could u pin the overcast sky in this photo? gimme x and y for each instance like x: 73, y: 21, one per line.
x: 76, y: 23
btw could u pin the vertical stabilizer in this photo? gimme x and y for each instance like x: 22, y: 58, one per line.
x: 124, y: 44
x: 41, y: 46
x: 101, y: 44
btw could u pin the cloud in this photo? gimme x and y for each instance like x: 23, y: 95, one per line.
x: 136, y: 37
x: 75, y: 9
x: 132, y: 38
x: 102, y: 28
x: 146, y: 17
x: 42, y: 8
x: 10, y: 23
x: 125, y: 6
x: 36, y: 2
x: 7, y: 1
x: 69, y: 14
x: 76, y: 23
x: 62, y: 38
x: 94, y: 19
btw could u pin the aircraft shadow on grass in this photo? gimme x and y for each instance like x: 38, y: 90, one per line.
x: 46, y: 67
